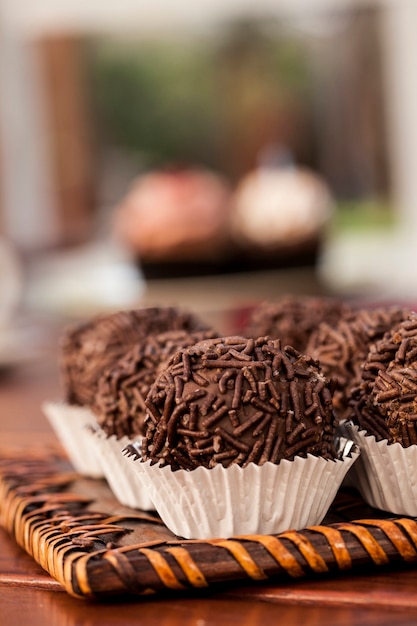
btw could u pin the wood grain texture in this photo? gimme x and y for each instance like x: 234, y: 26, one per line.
x: 39, y: 607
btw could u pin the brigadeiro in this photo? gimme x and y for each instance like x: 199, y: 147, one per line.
x: 292, y: 318
x: 90, y: 348
x: 120, y: 408
x: 240, y: 438
x: 87, y: 349
x: 342, y: 348
x: 384, y: 420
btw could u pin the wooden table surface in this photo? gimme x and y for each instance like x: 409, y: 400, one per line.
x: 29, y: 595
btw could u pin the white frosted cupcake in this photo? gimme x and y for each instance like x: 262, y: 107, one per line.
x: 240, y: 439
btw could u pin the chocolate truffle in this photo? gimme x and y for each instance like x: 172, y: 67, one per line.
x: 343, y: 348
x: 385, y: 403
x: 293, y: 318
x: 89, y: 348
x: 122, y: 390
x: 238, y: 400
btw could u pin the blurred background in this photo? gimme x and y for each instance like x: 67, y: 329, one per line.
x: 206, y: 156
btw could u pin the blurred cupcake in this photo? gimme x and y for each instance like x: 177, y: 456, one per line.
x: 240, y: 439
x: 175, y: 215
x: 280, y: 210
x: 120, y: 408
x: 384, y: 421
x: 88, y: 349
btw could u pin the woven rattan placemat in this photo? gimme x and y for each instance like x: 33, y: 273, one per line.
x: 96, y: 548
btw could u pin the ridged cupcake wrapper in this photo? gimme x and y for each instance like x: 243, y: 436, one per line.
x: 386, y: 475
x: 70, y: 424
x: 118, y: 470
x: 224, y: 502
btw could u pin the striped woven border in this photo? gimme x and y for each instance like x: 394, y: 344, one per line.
x: 83, y: 548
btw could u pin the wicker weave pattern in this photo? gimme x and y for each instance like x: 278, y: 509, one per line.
x: 97, y: 554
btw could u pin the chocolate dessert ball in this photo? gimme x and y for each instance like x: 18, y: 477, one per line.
x: 343, y: 348
x: 237, y: 400
x: 293, y: 318
x: 395, y: 345
x: 122, y: 390
x: 89, y: 348
x: 385, y: 404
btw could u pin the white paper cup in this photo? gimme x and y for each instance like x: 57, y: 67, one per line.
x: 119, y: 471
x: 385, y: 474
x: 224, y: 502
x: 70, y: 424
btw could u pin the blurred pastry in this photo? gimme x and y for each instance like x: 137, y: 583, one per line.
x: 279, y: 208
x: 175, y: 215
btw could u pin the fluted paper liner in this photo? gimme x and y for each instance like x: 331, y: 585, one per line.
x: 385, y: 474
x: 70, y: 424
x: 119, y: 472
x: 223, y: 502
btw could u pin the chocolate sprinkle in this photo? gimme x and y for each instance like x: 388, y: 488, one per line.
x: 293, y: 318
x: 342, y: 349
x: 88, y: 349
x: 385, y: 402
x: 122, y: 390
x: 239, y: 427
